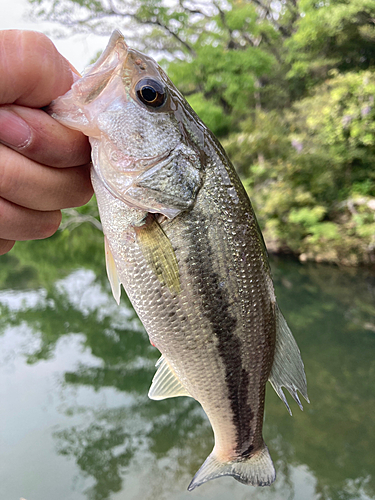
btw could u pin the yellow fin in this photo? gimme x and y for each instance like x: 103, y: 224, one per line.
x: 112, y: 272
x: 165, y: 383
x: 159, y: 253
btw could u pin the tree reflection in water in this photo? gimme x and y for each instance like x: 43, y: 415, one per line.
x: 150, y: 448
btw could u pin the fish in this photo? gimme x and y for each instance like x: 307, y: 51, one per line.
x: 181, y: 237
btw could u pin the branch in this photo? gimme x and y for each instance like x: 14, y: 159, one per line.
x: 157, y: 22
x: 88, y: 19
x: 268, y: 13
x: 247, y: 37
x: 232, y: 42
x: 272, y: 48
x: 114, y: 11
x: 75, y: 219
x: 192, y: 11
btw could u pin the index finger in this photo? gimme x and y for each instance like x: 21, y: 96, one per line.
x: 33, y: 72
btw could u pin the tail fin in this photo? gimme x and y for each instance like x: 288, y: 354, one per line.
x: 257, y: 470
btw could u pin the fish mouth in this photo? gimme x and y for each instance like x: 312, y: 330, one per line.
x: 69, y: 109
x: 116, y: 47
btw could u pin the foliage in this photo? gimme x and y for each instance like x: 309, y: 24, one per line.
x: 289, y: 86
x: 336, y: 34
x: 41, y: 261
x: 311, y: 171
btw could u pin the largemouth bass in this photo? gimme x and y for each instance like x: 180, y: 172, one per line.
x: 182, y: 238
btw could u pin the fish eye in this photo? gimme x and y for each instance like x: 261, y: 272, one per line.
x: 151, y: 92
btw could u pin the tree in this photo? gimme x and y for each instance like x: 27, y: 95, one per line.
x: 314, y: 190
x: 337, y: 34
x: 291, y: 83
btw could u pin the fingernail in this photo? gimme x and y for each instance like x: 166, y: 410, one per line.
x: 14, y: 131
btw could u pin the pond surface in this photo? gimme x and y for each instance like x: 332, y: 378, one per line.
x: 75, y: 369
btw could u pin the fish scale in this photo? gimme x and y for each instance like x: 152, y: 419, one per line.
x: 182, y: 238
x: 185, y: 327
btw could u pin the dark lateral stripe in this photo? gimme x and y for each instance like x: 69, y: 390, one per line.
x: 216, y: 307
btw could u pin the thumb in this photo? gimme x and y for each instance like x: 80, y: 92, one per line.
x: 33, y: 72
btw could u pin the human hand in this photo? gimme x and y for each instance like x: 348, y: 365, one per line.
x: 44, y: 166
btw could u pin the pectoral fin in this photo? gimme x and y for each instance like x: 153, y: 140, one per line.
x: 287, y: 369
x: 159, y: 253
x: 112, y: 272
x: 165, y: 383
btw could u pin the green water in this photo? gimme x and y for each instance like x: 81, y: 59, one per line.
x: 75, y: 420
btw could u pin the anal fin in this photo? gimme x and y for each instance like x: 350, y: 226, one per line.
x: 165, y: 383
x: 287, y: 369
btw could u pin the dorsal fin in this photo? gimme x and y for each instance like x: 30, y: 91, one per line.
x: 287, y: 369
x: 112, y: 272
x: 165, y: 383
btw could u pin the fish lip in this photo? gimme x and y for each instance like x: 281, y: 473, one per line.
x: 117, y: 38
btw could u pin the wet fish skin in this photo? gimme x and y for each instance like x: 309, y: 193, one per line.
x: 182, y: 238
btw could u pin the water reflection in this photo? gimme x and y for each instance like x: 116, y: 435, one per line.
x: 120, y: 444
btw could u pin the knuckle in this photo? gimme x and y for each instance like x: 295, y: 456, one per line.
x: 86, y: 195
x: 36, y: 39
x: 50, y: 225
x: 83, y: 191
x: 47, y: 72
x: 34, y: 49
x: 9, y: 173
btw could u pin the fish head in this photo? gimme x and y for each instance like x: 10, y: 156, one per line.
x: 122, y: 81
x: 138, y: 124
